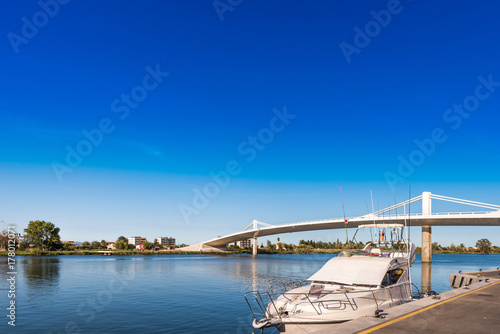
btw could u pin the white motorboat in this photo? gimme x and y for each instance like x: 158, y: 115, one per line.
x: 353, y: 284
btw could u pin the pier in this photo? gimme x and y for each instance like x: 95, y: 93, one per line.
x: 105, y: 252
x: 469, y: 309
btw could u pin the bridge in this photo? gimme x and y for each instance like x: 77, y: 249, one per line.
x: 426, y: 219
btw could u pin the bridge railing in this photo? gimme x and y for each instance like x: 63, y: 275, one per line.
x: 387, y: 217
x: 419, y: 214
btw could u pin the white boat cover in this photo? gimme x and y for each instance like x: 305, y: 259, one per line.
x: 353, y: 270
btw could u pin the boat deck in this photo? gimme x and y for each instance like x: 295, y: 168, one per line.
x: 473, y: 309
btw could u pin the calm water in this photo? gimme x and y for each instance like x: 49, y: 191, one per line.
x: 158, y: 294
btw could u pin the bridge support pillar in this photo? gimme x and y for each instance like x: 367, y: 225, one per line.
x: 254, y: 246
x: 426, y: 230
x: 426, y: 244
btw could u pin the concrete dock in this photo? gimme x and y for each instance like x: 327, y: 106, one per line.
x: 474, y: 308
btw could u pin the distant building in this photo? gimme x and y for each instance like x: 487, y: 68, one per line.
x: 110, y: 244
x: 136, y: 240
x: 69, y: 243
x: 166, y: 242
x: 244, y: 243
x: 139, y: 246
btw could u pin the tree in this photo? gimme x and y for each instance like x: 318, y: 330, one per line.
x: 85, y: 245
x: 44, y: 234
x: 4, y: 239
x: 436, y: 247
x: 104, y: 245
x: 96, y: 244
x: 120, y: 244
x: 484, y: 246
x: 147, y: 245
x: 122, y: 238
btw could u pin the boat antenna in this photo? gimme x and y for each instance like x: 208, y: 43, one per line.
x: 368, y: 210
x: 371, y: 195
x: 409, y: 234
x: 409, y: 211
x: 373, y: 211
x: 396, y: 208
x: 404, y: 215
x: 345, y: 220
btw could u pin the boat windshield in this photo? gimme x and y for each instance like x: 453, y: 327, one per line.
x: 392, y: 277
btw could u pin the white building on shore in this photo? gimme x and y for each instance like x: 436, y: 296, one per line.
x: 136, y: 240
x: 166, y: 242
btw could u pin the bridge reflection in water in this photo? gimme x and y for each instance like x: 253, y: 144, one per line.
x: 426, y: 276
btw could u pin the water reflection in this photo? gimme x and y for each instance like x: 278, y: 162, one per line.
x: 426, y: 276
x: 41, y: 274
x: 257, y: 273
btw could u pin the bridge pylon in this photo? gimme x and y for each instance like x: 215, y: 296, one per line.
x: 426, y: 229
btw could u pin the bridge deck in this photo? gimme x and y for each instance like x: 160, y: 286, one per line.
x: 436, y: 219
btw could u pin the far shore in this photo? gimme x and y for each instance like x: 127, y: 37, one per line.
x: 179, y: 252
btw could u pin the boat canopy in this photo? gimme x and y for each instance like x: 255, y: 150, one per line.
x: 353, y: 270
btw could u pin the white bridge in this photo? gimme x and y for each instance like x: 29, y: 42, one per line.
x: 426, y: 220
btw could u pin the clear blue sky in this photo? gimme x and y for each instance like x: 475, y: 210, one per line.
x: 293, y: 97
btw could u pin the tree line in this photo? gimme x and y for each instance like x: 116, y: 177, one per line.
x: 45, y: 236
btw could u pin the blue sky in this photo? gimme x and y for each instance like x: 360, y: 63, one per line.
x: 170, y: 92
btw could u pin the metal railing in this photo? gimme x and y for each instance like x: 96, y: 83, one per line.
x: 376, y: 217
x: 267, y: 301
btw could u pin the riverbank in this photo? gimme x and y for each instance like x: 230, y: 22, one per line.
x: 178, y: 252
x: 92, y: 252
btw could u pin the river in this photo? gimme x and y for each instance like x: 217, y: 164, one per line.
x: 168, y: 293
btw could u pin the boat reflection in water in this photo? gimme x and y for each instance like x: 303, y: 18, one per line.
x: 353, y: 284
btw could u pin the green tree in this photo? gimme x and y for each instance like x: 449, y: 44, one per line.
x: 4, y: 239
x: 95, y: 244
x: 484, y: 246
x: 122, y: 238
x: 24, y: 243
x: 120, y: 244
x: 44, y: 234
x: 103, y: 245
x: 147, y: 245
x: 86, y: 245
x: 436, y: 247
